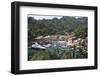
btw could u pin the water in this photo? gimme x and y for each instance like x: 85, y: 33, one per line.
x: 61, y: 49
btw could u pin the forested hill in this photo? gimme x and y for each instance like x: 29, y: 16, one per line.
x: 57, y: 26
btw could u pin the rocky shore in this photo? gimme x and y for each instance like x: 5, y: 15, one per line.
x: 71, y: 40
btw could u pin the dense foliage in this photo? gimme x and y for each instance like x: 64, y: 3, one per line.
x: 57, y: 26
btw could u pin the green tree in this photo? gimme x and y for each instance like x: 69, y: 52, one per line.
x: 81, y: 32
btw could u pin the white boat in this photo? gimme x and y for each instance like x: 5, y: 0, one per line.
x: 36, y: 45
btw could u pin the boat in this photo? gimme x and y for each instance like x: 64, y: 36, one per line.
x: 37, y: 46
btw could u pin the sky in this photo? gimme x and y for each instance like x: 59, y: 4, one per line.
x: 39, y: 17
